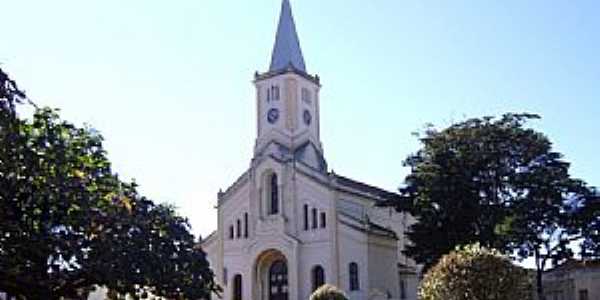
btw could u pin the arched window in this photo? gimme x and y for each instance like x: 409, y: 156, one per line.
x: 237, y: 287
x: 354, y: 284
x: 318, y: 277
x: 274, y: 195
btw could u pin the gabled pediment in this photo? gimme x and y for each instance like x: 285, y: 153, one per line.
x: 310, y: 155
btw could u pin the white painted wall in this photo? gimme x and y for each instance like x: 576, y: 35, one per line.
x: 353, y: 248
x: 383, y: 273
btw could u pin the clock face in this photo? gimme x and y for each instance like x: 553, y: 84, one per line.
x: 307, y: 117
x: 273, y: 115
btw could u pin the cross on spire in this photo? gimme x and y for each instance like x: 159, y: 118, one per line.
x: 287, y: 52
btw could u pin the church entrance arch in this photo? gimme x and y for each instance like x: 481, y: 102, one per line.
x: 272, y: 276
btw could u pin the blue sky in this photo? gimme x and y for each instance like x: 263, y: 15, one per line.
x: 169, y: 83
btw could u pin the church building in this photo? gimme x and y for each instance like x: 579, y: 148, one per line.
x: 288, y: 225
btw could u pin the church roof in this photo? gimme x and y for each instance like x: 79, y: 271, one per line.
x: 286, y: 51
x: 367, y: 225
x: 309, y: 155
x: 365, y: 188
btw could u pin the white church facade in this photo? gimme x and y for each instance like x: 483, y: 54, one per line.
x: 288, y: 225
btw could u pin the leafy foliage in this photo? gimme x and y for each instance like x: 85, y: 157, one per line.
x: 328, y: 292
x: 591, y: 228
x: 475, y: 273
x: 69, y: 223
x: 498, y: 183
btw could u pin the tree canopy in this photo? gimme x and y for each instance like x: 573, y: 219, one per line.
x: 496, y: 182
x: 474, y: 272
x: 68, y: 223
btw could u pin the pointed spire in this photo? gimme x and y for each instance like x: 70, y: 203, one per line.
x: 286, y: 51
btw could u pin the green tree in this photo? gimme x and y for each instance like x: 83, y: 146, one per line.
x: 591, y: 228
x: 68, y: 223
x: 551, y: 216
x: 494, y: 182
x: 475, y: 273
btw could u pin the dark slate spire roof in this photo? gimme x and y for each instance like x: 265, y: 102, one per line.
x: 286, y: 51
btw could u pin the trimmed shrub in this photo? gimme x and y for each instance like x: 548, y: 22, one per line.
x: 475, y: 273
x: 328, y: 292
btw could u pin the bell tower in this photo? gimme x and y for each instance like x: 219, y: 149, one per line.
x: 287, y: 98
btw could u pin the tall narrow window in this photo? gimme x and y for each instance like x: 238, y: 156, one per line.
x: 306, y: 98
x: 231, y: 235
x: 239, y: 228
x: 274, y: 209
x: 237, y: 287
x: 323, y: 220
x: 305, y: 216
x: 225, y: 276
x: 272, y: 93
x: 268, y: 95
x: 353, y: 270
x: 245, y: 225
x: 402, y: 289
x: 318, y: 277
x: 314, y: 218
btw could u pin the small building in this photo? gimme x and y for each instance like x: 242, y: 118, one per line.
x: 573, y: 280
